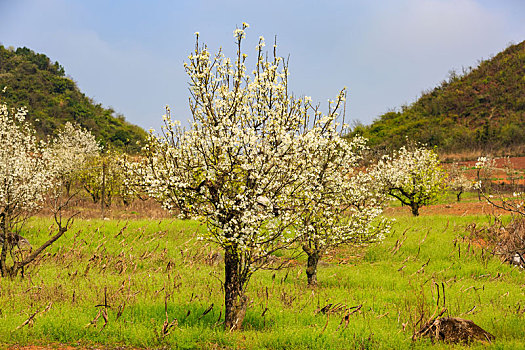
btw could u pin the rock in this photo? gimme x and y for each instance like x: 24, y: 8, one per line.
x: 518, y: 260
x: 23, y: 244
x: 214, y: 258
x: 455, y: 330
x: 14, y: 239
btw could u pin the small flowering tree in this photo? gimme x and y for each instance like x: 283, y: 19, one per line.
x: 241, y: 166
x: 24, y: 175
x: 29, y: 171
x: 72, y: 149
x: 414, y: 177
x: 339, y: 204
x: 458, y: 182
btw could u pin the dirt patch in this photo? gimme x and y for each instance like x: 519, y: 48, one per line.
x: 516, y: 162
x: 455, y: 330
x: 458, y: 209
x: 139, y: 209
x: 499, y: 176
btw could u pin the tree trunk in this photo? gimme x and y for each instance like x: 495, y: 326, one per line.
x: 415, y: 208
x: 458, y: 195
x: 234, y: 299
x: 68, y: 187
x: 311, y: 269
x: 3, y: 254
x: 311, y: 265
x: 92, y: 193
x: 103, y: 190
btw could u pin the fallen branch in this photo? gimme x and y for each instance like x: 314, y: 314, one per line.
x: 31, y: 318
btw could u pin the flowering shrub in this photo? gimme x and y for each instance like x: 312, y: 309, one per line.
x: 485, y: 167
x: 413, y: 176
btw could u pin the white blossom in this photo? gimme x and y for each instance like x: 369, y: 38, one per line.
x: 72, y: 148
x: 413, y: 176
x: 25, y: 171
x: 31, y: 168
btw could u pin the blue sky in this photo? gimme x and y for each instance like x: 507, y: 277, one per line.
x: 129, y: 54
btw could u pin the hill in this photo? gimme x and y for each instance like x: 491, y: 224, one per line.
x: 482, y: 109
x: 52, y: 99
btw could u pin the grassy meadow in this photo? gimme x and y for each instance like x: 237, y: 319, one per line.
x: 153, y: 284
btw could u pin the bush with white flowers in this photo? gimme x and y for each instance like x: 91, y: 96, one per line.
x: 414, y: 176
x: 458, y: 181
x: 485, y: 167
x: 71, y: 150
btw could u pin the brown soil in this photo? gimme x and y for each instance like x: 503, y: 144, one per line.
x: 499, y: 175
x: 139, y: 209
x: 516, y: 162
x: 459, y: 209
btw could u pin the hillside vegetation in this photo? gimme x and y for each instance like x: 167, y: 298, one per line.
x: 52, y: 99
x: 484, y: 108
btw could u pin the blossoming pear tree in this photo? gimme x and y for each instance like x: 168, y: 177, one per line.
x: 242, y: 164
x: 339, y: 204
x: 71, y: 149
x: 29, y: 171
x: 413, y: 175
x: 24, y: 175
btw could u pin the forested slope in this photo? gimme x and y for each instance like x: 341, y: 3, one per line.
x: 483, y: 108
x: 52, y: 99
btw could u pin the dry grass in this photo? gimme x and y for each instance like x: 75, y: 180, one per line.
x: 506, y: 240
x: 473, y: 154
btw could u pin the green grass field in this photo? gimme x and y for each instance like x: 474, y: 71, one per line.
x: 110, y: 284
